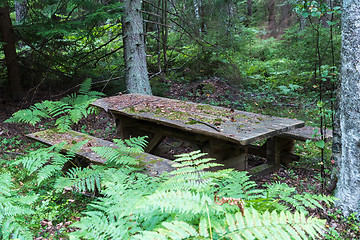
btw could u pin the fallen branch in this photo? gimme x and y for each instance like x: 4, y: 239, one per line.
x: 207, y: 124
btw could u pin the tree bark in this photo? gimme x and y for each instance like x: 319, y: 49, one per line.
x: 12, y: 65
x: 20, y: 10
x: 137, y: 79
x: 271, y: 17
x: 249, y: 8
x: 286, y: 16
x: 348, y: 187
x: 164, y: 32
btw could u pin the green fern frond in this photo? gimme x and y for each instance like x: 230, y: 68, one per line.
x: 85, y: 86
x: 63, y: 123
x: 238, y: 185
x: 95, y: 94
x: 59, y: 108
x: 180, y: 202
x: 27, y: 116
x: 190, y: 173
x: 288, y: 197
x: 263, y: 226
x: 124, y: 153
x: 251, y: 225
x: 12, y: 229
x: 6, y: 184
x: 11, y: 207
x: 67, y: 111
x: 36, y: 159
x: 170, y: 230
x: 138, y: 143
x: 13, y: 210
x: 199, y: 181
x: 87, y: 179
x: 24, y: 200
x: 116, y: 156
x: 99, y: 226
x: 47, y: 172
x: 193, y: 162
x: 190, y: 156
x: 45, y: 161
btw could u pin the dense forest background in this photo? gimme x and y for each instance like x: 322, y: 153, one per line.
x: 278, y: 57
x: 270, y: 46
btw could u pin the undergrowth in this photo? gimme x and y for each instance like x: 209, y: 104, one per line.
x: 122, y: 202
x: 188, y: 202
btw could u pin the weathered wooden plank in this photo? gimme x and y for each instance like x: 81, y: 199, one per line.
x: 154, y: 165
x: 262, y: 170
x: 307, y: 132
x: 233, y: 125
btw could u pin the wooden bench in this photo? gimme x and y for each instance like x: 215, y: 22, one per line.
x: 154, y: 165
x: 307, y: 133
x: 287, y: 139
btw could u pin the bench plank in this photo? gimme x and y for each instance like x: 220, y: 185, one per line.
x: 154, y: 165
x: 305, y: 133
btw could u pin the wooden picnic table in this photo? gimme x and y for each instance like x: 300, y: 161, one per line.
x: 226, y: 134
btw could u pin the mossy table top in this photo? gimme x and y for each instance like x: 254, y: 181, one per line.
x: 217, y: 122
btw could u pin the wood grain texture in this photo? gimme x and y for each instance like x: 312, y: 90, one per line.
x: 154, y: 165
x: 234, y: 126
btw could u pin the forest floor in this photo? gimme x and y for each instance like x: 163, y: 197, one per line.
x: 214, y: 90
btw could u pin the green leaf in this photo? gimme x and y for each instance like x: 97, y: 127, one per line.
x: 320, y: 144
x: 331, y: 23
x: 320, y: 104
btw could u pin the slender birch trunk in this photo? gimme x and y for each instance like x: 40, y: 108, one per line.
x: 348, y: 187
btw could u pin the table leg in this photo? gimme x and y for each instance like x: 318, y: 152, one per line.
x: 154, y: 142
x: 230, y: 154
x: 129, y: 127
x: 278, y: 149
x: 124, y: 125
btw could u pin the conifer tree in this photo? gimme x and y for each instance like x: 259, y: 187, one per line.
x: 137, y: 79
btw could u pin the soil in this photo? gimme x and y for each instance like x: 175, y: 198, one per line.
x: 209, y: 90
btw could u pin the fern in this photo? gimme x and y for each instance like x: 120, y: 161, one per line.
x: 125, y: 152
x: 13, y: 210
x: 289, y: 199
x: 251, y: 225
x: 170, y: 230
x: 116, y: 216
x: 82, y: 180
x: 181, y: 202
x: 190, y: 173
x: 238, y: 185
x: 67, y: 111
x: 181, y: 205
x: 45, y: 162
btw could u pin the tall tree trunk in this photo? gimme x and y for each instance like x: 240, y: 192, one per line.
x: 286, y: 15
x: 164, y: 32
x: 271, y: 17
x: 249, y: 8
x: 249, y: 12
x: 137, y: 79
x: 348, y: 187
x: 12, y: 65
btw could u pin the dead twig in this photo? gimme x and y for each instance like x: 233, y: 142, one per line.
x: 207, y: 124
